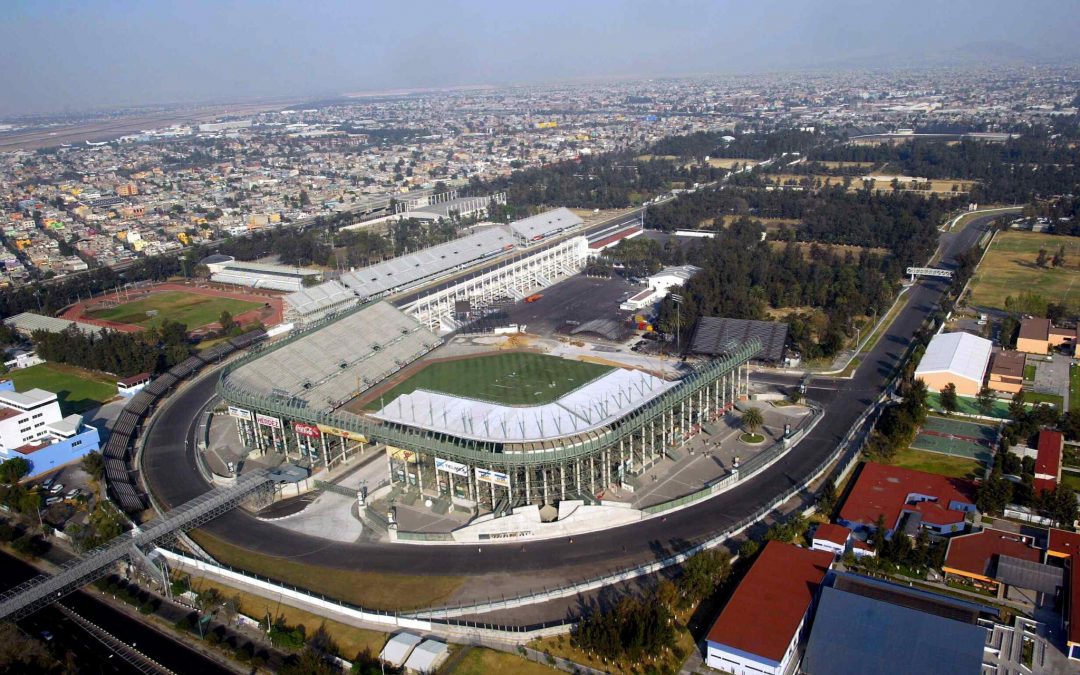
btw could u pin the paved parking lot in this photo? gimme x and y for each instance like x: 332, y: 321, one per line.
x: 572, y: 302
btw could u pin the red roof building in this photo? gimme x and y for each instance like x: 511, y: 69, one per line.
x: 831, y: 537
x: 975, y: 556
x: 1073, y: 623
x: 1063, y: 544
x: 761, y: 624
x: 1048, y: 461
x: 939, y: 503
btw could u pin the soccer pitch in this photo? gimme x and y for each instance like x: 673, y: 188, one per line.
x: 191, y: 309
x: 510, y: 378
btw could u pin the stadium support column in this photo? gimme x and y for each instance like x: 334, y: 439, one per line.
x: 652, y: 439
x: 325, y: 452
x: 577, y: 475
x: 301, y: 447
x: 592, y: 476
x: 606, y: 468
x: 528, y: 486
x: 622, y: 464
x: 419, y: 472
x: 562, y: 481
x: 509, y: 485
x: 390, y: 467
x: 491, y: 469
x: 543, y: 473
x: 344, y: 448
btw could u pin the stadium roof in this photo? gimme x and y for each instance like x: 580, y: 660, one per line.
x: 765, y: 611
x: 28, y: 322
x: 404, y: 270
x: 545, y: 224
x: 857, y: 634
x: 310, y: 300
x: 717, y: 336
x: 267, y: 268
x: 960, y: 353
x: 590, y: 406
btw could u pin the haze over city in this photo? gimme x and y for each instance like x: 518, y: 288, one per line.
x: 75, y: 56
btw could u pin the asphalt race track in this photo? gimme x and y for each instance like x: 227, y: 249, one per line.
x: 169, y: 469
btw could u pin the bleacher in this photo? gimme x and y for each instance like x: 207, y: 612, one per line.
x: 329, y: 366
x: 312, y: 304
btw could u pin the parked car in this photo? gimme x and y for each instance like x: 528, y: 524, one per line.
x: 73, y: 493
x: 57, y: 488
x: 53, y: 500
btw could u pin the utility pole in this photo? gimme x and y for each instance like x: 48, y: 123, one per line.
x: 678, y: 300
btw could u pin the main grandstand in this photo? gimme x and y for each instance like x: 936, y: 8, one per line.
x: 316, y: 394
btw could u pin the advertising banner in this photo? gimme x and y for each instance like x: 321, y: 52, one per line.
x: 451, y: 467
x: 268, y: 421
x: 344, y: 433
x: 489, y: 476
x: 307, y: 430
x: 240, y: 413
x: 401, y: 455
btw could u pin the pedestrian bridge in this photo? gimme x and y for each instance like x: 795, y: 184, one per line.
x: 46, y: 589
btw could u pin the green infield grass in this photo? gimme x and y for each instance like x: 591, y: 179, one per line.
x: 191, y: 309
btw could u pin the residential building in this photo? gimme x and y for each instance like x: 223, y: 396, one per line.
x: 1039, y: 336
x: 1006, y: 372
x: 32, y: 427
x: 760, y: 627
x: 907, y: 499
x: 1048, y: 460
x: 955, y: 358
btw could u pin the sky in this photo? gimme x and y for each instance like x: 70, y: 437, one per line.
x: 83, y: 54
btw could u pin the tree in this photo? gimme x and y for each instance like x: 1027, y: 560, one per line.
x: 1041, y: 259
x: 1016, y: 406
x: 948, y: 398
x: 1059, y: 257
x: 13, y: 469
x: 827, y: 498
x: 752, y: 420
x: 985, y: 400
x: 994, y: 494
x: 94, y: 464
x: 1060, y: 506
x: 226, y: 321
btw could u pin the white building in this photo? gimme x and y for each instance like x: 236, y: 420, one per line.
x: 398, y: 649
x: 670, y: 277
x: 25, y: 416
x: 32, y: 427
x: 427, y: 657
x: 955, y: 358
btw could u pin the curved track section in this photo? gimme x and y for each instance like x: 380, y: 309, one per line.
x: 170, y: 472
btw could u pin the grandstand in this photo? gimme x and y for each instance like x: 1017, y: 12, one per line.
x: 408, y: 270
x: 27, y: 323
x: 262, y: 275
x: 541, y: 226
x: 325, y: 368
x: 310, y: 305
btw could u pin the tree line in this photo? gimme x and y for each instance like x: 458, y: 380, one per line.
x: 121, y: 354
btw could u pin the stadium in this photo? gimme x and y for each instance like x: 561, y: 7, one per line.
x: 490, y: 428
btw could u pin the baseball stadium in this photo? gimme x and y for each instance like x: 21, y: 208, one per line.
x: 487, y: 429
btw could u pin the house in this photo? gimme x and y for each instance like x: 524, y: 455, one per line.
x: 1006, y: 372
x: 991, y: 558
x: 1039, y: 336
x: 760, y: 627
x: 129, y: 386
x: 907, y: 497
x: 1048, y: 461
x: 671, y: 277
x: 955, y: 358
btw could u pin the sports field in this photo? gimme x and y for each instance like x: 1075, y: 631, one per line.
x: 75, y: 388
x: 511, y: 378
x: 190, y: 309
x: 957, y: 438
x: 1009, y: 268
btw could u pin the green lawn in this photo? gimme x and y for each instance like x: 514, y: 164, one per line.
x: 1009, y: 268
x: 481, y: 661
x: 77, y: 389
x: 1052, y: 399
x: 1074, y: 388
x: 511, y: 378
x: 1071, y: 479
x: 967, y: 405
x: 1029, y: 372
x: 932, y: 462
x: 190, y: 309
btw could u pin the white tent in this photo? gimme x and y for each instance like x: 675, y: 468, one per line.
x: 398, y: 648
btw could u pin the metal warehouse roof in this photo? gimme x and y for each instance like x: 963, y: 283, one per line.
x: 962, y: 354
x: 545, y: 224
x: 716, y: 336
x: 1028, y: 574
x: 593, y: 405
x: 397, y: 649
x: 855, y: 634
x: 404, y: 270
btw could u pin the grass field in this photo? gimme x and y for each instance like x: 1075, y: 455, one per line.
x: 77, y: 389
x: 729, y: 163
x: 1052, y: 399
x: 1074, y: 388
x: 933, y: 462
x: 512, y: 378
x: 371, y: 590
x: 482, y: 661
x: 190, y: 309
x: 1009, y: 268
x: 350, y: 640
x: 968, y: 406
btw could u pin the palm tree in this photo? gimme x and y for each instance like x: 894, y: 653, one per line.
x: 752, y: 420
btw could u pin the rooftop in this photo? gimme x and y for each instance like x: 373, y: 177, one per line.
x: 1008, y: 364
x: 961, y: 353
x: 1034, y: 328
x: 766, y: 609
x: 1063, y: 544
x: 976, y: 554
x: 545, y: 224
x: 885, y: 490
x: 683, y: 272
x: 837, y: 534
x: 24, y: 400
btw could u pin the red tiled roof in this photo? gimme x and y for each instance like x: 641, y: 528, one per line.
x: 837, y: 534
x: 30, y: 448
x: 1034, y: 329
x: 1048, y: 460
x: 884, y: 490
x: 977, y: 553
x: 765, y: 611
x: 1040, y: 485
x: 7, y: 413
x: 133, y: 380
x: 1063, y: 542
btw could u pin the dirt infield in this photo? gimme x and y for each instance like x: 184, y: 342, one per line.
x: 270, y: 314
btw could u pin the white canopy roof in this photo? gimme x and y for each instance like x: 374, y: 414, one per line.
x: 593, y: 405
x: 397, y: 649
x: 962, y: 354
x: 425, y: 658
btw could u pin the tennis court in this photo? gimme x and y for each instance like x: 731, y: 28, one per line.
x: 957, y: 438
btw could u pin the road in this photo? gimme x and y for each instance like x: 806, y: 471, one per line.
x: 169, y: 470
x: 89, y: 654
